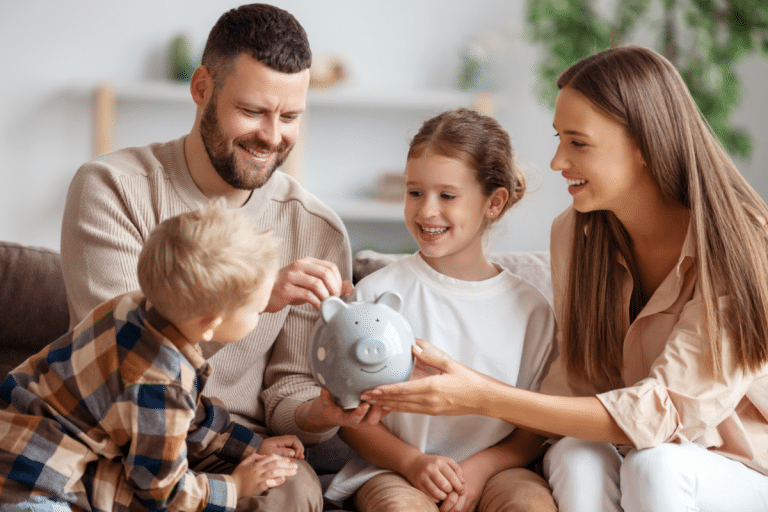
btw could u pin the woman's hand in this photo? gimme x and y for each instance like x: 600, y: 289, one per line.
x: 435, y: 476
x: 451, y: 391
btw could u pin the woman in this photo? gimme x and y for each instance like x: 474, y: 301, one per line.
x: 659, y: 396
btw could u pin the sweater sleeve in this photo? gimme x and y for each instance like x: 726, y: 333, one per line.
x: 288, y: 380
x: 100, y: 241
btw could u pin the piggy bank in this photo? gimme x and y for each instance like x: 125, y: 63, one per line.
x: 358, y: 346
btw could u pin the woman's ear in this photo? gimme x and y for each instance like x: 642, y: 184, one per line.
x: 497, y: 202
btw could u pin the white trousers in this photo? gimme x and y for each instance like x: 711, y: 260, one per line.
x: 586, y: 476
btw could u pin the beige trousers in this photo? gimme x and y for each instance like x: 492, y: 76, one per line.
x: 299, y: 493
x: 513, y: 490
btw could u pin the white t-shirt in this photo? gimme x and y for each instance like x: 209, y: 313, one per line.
x: 503, y: 327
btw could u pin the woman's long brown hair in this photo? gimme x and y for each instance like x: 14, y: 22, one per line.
x: 643, y: 91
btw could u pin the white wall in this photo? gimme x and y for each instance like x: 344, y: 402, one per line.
x: 55, y: 53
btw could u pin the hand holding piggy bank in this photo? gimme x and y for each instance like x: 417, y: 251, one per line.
x: 358, y: 346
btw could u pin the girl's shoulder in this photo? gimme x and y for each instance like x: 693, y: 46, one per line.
x: 390, y: 277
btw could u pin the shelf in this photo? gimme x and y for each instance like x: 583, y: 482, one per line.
x: 178, y: 92
x: 358, y: 209
x: 366, y: 210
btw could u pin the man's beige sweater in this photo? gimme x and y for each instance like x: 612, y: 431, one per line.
x: 113, y: 203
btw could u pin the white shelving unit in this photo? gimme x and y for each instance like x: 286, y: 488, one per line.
x: 348, y: 138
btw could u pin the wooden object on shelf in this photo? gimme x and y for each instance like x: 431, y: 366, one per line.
x: 105, y: 120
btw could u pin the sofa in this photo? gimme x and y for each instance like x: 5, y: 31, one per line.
x: 34, y: 310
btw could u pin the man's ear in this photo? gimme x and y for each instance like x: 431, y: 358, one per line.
x: 201, y: 86
x: 208, y: 327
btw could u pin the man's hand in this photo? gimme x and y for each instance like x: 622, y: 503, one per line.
x: 322, y: 413
x: 308, y: 280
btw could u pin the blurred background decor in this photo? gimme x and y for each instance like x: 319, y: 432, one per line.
x: 107, y: 83
x: 705, y: 39
x: 183, y: 63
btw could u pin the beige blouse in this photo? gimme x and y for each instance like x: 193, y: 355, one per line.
x: 670, y: 396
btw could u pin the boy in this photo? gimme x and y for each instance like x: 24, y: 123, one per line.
x: 110, y: 415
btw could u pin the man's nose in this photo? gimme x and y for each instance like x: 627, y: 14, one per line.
x: 269, y: 131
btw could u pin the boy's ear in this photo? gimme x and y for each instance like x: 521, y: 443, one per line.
x: 209, y: 326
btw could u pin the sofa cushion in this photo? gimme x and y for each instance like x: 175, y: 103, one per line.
x: 532, y: 266
x: 33, y: 302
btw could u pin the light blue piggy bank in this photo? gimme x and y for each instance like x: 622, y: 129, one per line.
x: 358, y: 346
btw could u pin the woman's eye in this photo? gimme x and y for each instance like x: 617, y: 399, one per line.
x: 448, y: 196
x: 577, y: 144
x: 414, y: 193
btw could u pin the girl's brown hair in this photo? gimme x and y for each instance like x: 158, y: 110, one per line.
x: 643, y: 91
x: 480, y: 142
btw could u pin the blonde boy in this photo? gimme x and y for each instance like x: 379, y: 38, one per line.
x: 109, y: 416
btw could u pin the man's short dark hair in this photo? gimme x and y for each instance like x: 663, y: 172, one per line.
x: 268, y: 34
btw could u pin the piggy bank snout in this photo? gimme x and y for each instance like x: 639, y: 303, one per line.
x: 371, y: 351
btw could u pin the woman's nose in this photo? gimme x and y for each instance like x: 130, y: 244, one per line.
x: 558, y: 162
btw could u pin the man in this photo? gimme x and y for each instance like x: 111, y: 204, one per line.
x: 250, y: 92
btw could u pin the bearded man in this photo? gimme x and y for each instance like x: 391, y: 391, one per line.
x: 250, y: 92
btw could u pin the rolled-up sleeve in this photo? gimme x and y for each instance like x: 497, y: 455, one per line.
x: 681, y: 400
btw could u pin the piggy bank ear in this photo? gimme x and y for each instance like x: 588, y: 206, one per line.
x: 330, y: 307
x: 392, y: 300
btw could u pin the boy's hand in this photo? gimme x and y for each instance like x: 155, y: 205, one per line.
x: 287, y: 446
x: 257, y: 473
x: 307, y: 280
x: 436, y: 476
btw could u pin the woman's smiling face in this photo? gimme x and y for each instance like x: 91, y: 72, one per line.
x: 600, y: 161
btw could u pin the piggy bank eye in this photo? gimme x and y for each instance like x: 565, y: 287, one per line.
x: 377, y: 319
x: 356, y: 322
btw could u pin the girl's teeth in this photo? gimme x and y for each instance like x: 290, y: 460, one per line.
x: 575, y: 183
x: 433, y: 231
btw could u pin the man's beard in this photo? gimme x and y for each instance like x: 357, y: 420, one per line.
x: 223, y: 157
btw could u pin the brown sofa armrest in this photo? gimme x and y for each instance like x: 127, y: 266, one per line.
x: 33, y: 302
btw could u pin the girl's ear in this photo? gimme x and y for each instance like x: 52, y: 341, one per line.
x: 496, y: 203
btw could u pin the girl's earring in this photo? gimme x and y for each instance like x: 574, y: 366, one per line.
x: 208, y: 335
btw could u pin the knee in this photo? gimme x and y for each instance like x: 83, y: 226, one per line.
x: 392, y: 493
x: 652, y: 474
x: 576, y: 457
x: 517, y: 490
x: 302, y: 492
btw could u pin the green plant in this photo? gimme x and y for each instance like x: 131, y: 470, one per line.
x: 704, y: 39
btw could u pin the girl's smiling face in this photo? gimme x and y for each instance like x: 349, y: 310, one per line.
x: 600, y: 161
x: 446, y: 211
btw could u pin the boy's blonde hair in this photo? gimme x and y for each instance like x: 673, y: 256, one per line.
x: 205, y: 262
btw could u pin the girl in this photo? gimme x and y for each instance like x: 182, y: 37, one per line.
x: 660, y: 276
x: 460, y: 178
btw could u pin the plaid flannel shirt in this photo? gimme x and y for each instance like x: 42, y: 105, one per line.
x: 110, y: 416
